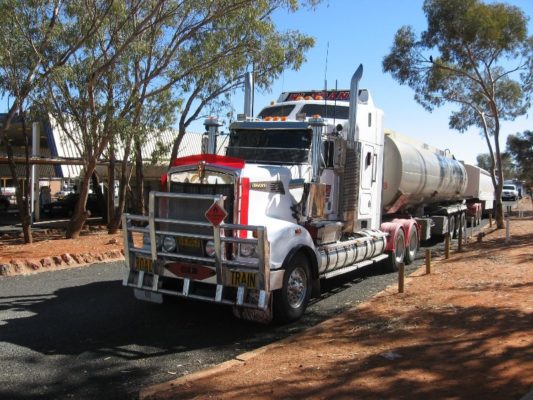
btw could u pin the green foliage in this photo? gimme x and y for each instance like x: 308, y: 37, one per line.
x: 520, y: 149
x: 509, y: 171
x: 463, y: 57
x: 475, y: 55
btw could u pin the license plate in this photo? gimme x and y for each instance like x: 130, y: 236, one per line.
x: 238, y: 278
x: 144, y: 264
x: 189, y: 243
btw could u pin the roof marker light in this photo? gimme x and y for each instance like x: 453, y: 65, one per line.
x: 267, y: 119
x: 318, y: 97
x: 299, y: 98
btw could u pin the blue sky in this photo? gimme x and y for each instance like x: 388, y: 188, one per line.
x: 353, y: 32
x: 362, y: 31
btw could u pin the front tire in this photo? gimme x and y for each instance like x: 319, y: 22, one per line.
x: 290, y: 302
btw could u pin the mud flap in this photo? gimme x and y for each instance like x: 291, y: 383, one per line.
x: 255, y: 315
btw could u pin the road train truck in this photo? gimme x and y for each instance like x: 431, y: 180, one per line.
x: 312, y: 188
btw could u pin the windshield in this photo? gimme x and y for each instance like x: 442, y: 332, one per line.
x: 325, y: 111
x: 276, y: 111
x: 280, y: 146
x: 509, y: 187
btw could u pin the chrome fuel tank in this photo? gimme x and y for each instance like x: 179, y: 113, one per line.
x: 416, y: 175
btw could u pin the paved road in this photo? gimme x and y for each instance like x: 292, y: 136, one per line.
x: 79, y: 334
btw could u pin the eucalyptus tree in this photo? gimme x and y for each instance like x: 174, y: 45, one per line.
x: 85, y: 96
x: 192, y: 59
x: 36, y: 38
x: 476, y: 56
x: 266, y: 55
x: 520, y: 149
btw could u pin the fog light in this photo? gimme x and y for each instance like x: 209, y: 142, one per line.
x: 247, y: 250
x: 169, y: 244
x: 210, y: 248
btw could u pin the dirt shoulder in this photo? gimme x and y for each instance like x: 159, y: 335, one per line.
x: 463, y: 332
x: 50, y: 250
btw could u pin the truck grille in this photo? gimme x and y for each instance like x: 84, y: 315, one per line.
x: 193, y: 209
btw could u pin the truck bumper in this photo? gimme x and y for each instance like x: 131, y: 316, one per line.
x: 223, y: 278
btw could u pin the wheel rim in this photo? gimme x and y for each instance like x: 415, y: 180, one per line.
x: 297, y: 287
x: 413, y: 244
x: 400, y: 249
x: 451, y: 226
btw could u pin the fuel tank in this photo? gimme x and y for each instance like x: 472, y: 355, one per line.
x: 417, y: 175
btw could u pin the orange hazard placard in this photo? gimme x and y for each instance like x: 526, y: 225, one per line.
x: 216, y: 214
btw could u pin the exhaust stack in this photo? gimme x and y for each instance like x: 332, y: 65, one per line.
x: 248, y: 94
x: 350, y: 181
x: 354, y: 95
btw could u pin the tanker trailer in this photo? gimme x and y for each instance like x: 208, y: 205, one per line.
x: 425, y: 183
x: 479, y: 193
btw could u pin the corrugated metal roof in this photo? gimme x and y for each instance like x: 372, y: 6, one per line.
x: 54, y: 143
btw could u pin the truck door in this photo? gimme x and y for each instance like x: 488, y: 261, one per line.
x: 368, y: 178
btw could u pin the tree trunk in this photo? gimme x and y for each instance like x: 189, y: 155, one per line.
x: 125, y: 175
x: 24, y: 215
x: 27, y: 218
x: 139, y: 178
x: 97, y: 190
x: 177, y: 143
x: 80, y: 215
x: 111, y: 189
x: 22, y: 204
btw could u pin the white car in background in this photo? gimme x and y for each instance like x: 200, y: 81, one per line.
x: 509, y: 193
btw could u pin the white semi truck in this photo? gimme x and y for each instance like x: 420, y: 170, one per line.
x: 312, y: 188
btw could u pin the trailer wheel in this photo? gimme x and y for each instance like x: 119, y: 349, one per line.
x: 412, y: 246
x: 462, y: 225
x: 451, y: 226
x: 292, y: 299
x: 397, y: 256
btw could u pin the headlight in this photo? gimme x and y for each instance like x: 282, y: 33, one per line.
x: 247, y: 250
x: 210, y: 248
x: 146, y: 241
x: 169, y: 244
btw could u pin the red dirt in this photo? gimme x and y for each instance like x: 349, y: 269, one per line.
x: 463, y: 332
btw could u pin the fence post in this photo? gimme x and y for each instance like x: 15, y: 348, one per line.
x: 401, y: 276
x: 490, y: 220
x: 447, y: 246
x: 428, y: 261
x: 460, y: 239
x: 507, y: 230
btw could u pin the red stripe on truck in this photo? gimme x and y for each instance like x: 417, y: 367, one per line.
x: 245, y: 204
x: 231, y: 162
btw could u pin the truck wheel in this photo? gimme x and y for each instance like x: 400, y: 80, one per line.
x: 412, y: 246
x: 462, y: 225
x: 291, y: 300
x: 451, y: 226
x: 397, y: 256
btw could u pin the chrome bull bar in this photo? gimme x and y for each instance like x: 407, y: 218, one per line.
x: 222, y: 262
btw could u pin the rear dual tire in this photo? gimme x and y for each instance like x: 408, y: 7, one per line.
x: 397, y: 256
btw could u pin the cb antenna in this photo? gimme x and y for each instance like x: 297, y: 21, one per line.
x: 326, y: 81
